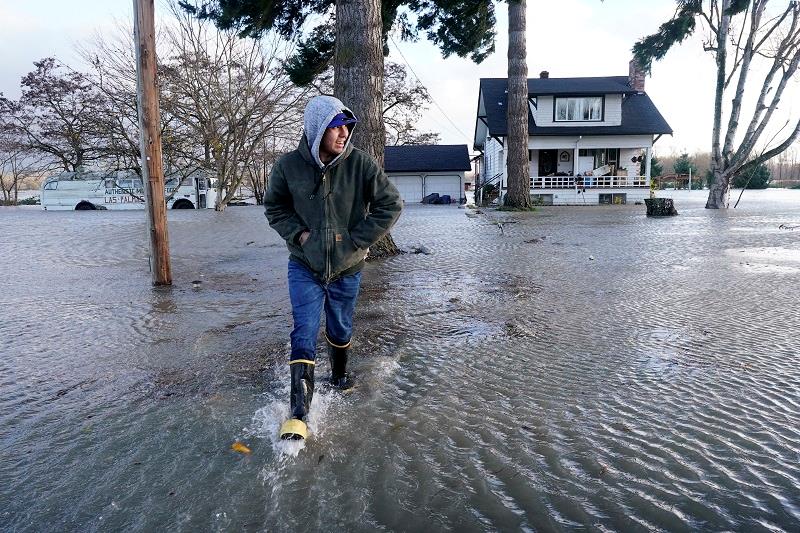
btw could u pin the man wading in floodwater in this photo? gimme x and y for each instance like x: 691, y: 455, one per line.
x: 330, y: 202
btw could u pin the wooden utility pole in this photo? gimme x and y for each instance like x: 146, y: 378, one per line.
x: 150, y: 140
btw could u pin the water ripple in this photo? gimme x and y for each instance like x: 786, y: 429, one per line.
x: 577, y: 369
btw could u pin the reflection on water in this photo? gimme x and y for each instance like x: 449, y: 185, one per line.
x: 586, y: 367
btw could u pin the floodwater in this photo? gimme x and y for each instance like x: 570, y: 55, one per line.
x: 573, y: 368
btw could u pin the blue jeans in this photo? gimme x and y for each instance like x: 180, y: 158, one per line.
x: 308, y: 296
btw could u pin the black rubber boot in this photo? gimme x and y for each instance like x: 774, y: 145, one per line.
x: 302, y: 375
x: 302, y: 389
x: 340, y: 379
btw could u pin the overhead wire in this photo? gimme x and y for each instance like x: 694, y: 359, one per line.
x: 467, y: 137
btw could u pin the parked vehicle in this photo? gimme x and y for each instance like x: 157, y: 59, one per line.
x: 121, y: 190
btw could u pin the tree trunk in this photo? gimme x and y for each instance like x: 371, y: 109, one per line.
x: 358, y: 70
x: 719, y: 192
x: 219, y: 203
x: 358, y: 82
x: 517, y: 111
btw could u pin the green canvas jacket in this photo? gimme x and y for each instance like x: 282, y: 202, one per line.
x: 346, y: 205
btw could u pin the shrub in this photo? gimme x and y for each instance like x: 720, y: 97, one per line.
x: 33, y: 200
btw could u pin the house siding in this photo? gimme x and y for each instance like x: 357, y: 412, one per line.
x: 613, y: 112
x: 625, y: 156
x: 591, y: 196
x: 534, y: 164
x: 590, y: 141
x: 493, y: 156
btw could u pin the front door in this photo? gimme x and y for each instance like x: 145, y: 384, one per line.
x: 547, y: 162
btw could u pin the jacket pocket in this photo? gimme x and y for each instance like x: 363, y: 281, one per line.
x: 314, y: 251
x: 345, y: 252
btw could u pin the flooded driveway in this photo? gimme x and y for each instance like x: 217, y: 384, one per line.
x: 570, y: 368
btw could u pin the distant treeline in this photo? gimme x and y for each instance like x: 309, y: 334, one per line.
x: 228, y: 109
x: 780, y: 171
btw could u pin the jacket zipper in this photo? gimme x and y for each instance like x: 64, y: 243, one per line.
x: 327, y: 228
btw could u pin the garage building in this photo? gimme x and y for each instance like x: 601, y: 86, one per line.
x: 420, y: 170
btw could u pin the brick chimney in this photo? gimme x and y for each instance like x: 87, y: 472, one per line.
x: 544, y: 74
x: 635, y: 76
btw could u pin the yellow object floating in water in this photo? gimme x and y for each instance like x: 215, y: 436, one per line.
x: 239, y: 447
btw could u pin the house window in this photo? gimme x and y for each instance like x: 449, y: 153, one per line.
x: 614, y: 198
x: 606, y: 156
x: 602, y: 157
x: 579, y: 108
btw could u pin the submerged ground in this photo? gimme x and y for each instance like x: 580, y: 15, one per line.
x: 570, y: 368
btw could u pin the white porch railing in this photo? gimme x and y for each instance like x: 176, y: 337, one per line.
x: 588, y: 182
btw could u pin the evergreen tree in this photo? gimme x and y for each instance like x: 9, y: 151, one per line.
x: 656, y: 168
x: 458, y: 27
x: 758, y: 178
x: 517, y: 168
x: 684, y: 165
x: 345, y: 37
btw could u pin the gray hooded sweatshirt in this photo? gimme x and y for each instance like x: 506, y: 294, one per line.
x: 318, y: 114
x: 347, y: 205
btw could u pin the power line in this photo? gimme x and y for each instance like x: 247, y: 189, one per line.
x: 469, y: 139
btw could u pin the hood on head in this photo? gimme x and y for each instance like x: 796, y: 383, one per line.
x: 318, y: 114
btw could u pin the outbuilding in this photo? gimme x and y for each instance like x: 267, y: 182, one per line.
x: 420, y: 170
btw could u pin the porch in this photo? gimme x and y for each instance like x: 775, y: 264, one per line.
x: 588, y: 182
x: 589, y: 167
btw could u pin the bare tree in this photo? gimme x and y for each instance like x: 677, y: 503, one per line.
x: 222, y: 99
x: 113, y: 73
x: 56, y: 115
x: 16, y: 165
x: 229, y: 95
x: 740, y: 32
x: 403, y: 104
x: 265, y: 156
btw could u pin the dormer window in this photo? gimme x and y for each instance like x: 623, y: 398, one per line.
x: 578, y: 109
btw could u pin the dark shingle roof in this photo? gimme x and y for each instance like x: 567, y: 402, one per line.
x: 587, y: 86
x: 639, y: 114
x: 426, y: 158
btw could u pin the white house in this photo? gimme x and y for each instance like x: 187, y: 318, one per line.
x: 586, y: 137
x: 420, y: 170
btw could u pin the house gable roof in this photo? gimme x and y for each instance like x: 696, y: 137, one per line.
x: 427, y: 158
x: 587, y: 86
x: 639, y: 114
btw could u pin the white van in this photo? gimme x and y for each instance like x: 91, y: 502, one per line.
x: 121, y: 190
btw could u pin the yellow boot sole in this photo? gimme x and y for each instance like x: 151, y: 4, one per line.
x: 294, y: 429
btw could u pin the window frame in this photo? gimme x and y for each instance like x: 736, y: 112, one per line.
x: 575, y: 96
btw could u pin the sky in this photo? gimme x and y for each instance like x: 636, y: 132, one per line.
x: 567, y: 38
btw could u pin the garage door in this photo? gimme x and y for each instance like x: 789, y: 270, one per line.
x: 410, y: 187
x: 444, y: 185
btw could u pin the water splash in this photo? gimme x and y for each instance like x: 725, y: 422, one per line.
x: 267, y: 420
